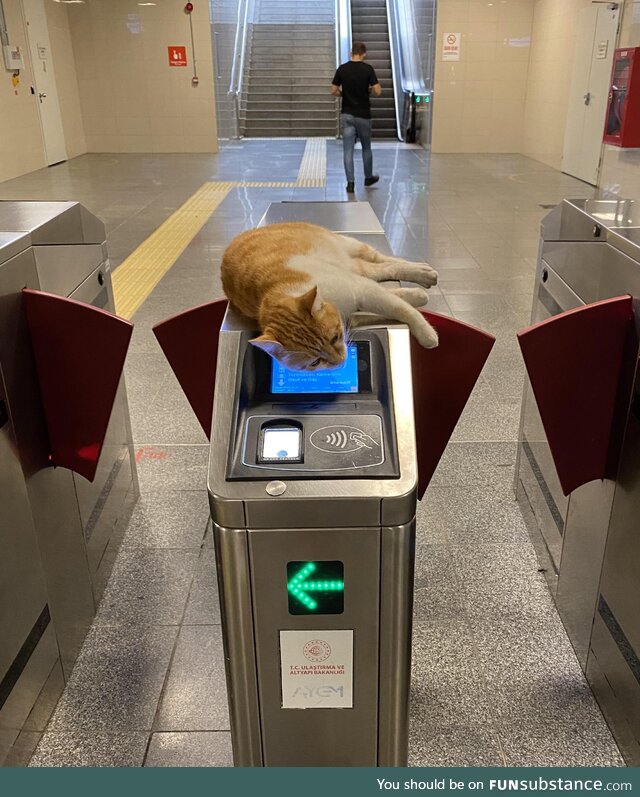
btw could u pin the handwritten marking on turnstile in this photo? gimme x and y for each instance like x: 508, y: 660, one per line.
x: 151, y: 452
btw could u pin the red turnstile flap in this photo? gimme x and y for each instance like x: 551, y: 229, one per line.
x: 189, y: 341
x: 575, y: 362
x: 443, y: 379
x: 79, y: 352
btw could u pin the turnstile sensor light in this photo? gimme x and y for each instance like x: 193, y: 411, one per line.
x: 315, y: 587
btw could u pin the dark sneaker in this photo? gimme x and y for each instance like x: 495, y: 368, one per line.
x: 350, y: 188
x: 371, y: 180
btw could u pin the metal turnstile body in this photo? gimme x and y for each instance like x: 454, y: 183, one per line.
x: 57, y: 247
x: 588, y: 541
x: 323, y: 686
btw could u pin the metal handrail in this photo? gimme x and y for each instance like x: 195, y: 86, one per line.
x: 343, y: 43
x: 245, y: 17
x: 408, y: 79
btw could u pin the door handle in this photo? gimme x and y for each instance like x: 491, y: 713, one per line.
x: 587, y: 98
x: 41, y: 95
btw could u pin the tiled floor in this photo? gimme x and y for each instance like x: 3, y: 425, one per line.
x: 495, y: 680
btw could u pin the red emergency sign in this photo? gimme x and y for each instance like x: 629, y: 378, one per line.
x: 177, y: 56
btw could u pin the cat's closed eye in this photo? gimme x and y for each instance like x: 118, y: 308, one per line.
x: 316, y: 362
x: 335, y: 339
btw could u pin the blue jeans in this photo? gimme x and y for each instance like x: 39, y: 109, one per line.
x: 352, y: 125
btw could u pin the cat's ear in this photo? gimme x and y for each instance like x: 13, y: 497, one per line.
x: 310, y: 301
x: 268, y: 344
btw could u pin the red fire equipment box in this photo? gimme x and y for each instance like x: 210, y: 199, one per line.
x: 622, y: 125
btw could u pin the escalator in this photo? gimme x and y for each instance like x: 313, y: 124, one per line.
x: 369, y: 25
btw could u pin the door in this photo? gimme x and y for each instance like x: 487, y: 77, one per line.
x: 593, y: 57
x: 45, y: 81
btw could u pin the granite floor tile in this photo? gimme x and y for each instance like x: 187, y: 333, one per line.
x: 195, y: 695
x: 436, y: 592
x: 148, y: 586
x: 116, y: 682
x: 192, y: 749
x: 559, y: 744
x: 501, y: 580
x: 473, y: 515
x: 447, y: 683
x: 172, y: 467
x: 476, y: 464
x: 431, y: 746
x: 168, y: 519
x: 90, y: 750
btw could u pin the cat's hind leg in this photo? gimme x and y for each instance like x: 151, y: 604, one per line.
x: 420, y: 273
x: 380, y: 268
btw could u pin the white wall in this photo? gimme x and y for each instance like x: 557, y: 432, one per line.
x: 479, y: 100
x: 131, y: 99
x: 549, y: 79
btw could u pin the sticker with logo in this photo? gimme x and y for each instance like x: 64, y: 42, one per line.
x: 316, y: 669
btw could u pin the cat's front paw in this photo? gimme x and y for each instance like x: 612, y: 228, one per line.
x: 433, y: 275
x: 426, y: 335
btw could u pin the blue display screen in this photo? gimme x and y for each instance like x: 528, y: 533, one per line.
x: 343, y: 379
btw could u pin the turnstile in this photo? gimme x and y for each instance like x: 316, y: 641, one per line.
x: 588, y: 541
x: 312, y: 484
x: 314, y: 525
x: 59, y: 531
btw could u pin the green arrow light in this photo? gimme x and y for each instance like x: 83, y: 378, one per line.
x: 299, y: 585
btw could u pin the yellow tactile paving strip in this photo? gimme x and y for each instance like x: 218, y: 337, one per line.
x: 313, y: 168
x: 137, y: 276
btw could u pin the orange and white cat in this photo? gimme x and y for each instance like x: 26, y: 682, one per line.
x: 303, y: 283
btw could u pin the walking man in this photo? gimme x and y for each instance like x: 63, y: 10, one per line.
x: 355, y: 81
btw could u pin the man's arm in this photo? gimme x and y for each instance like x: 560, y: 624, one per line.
x: 376, y: 89
x: 335, y: 90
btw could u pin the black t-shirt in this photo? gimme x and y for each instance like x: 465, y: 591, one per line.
x: 355, y: 77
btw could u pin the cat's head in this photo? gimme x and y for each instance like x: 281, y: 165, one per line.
x: 303, y: 333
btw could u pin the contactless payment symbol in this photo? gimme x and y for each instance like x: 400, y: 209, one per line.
x: 315, y: 588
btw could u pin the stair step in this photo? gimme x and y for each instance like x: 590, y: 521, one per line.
x: 290, y: 107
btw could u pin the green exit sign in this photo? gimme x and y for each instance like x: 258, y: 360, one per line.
x: 315, y: 587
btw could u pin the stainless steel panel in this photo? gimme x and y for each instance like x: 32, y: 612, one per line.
x: 16, y: 712
x: 624, y: 685
x: 347, y: 217
x: 27, y: 646
x: 52, y: 222
x: 12, y: 243
x: 61, y: 269
x: 317, y: 737
x: 377, y: 240
x: 589, y: 219
x: 593, y: 271
x: 612, y: 708
x: 234, y: 588
x: 396, y: 617
x: 22, y: 591
x: 277, y: 512
x: 582, y: 552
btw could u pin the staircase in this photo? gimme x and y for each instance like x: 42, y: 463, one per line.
x: 369, y: 25
x: 291, y: 64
